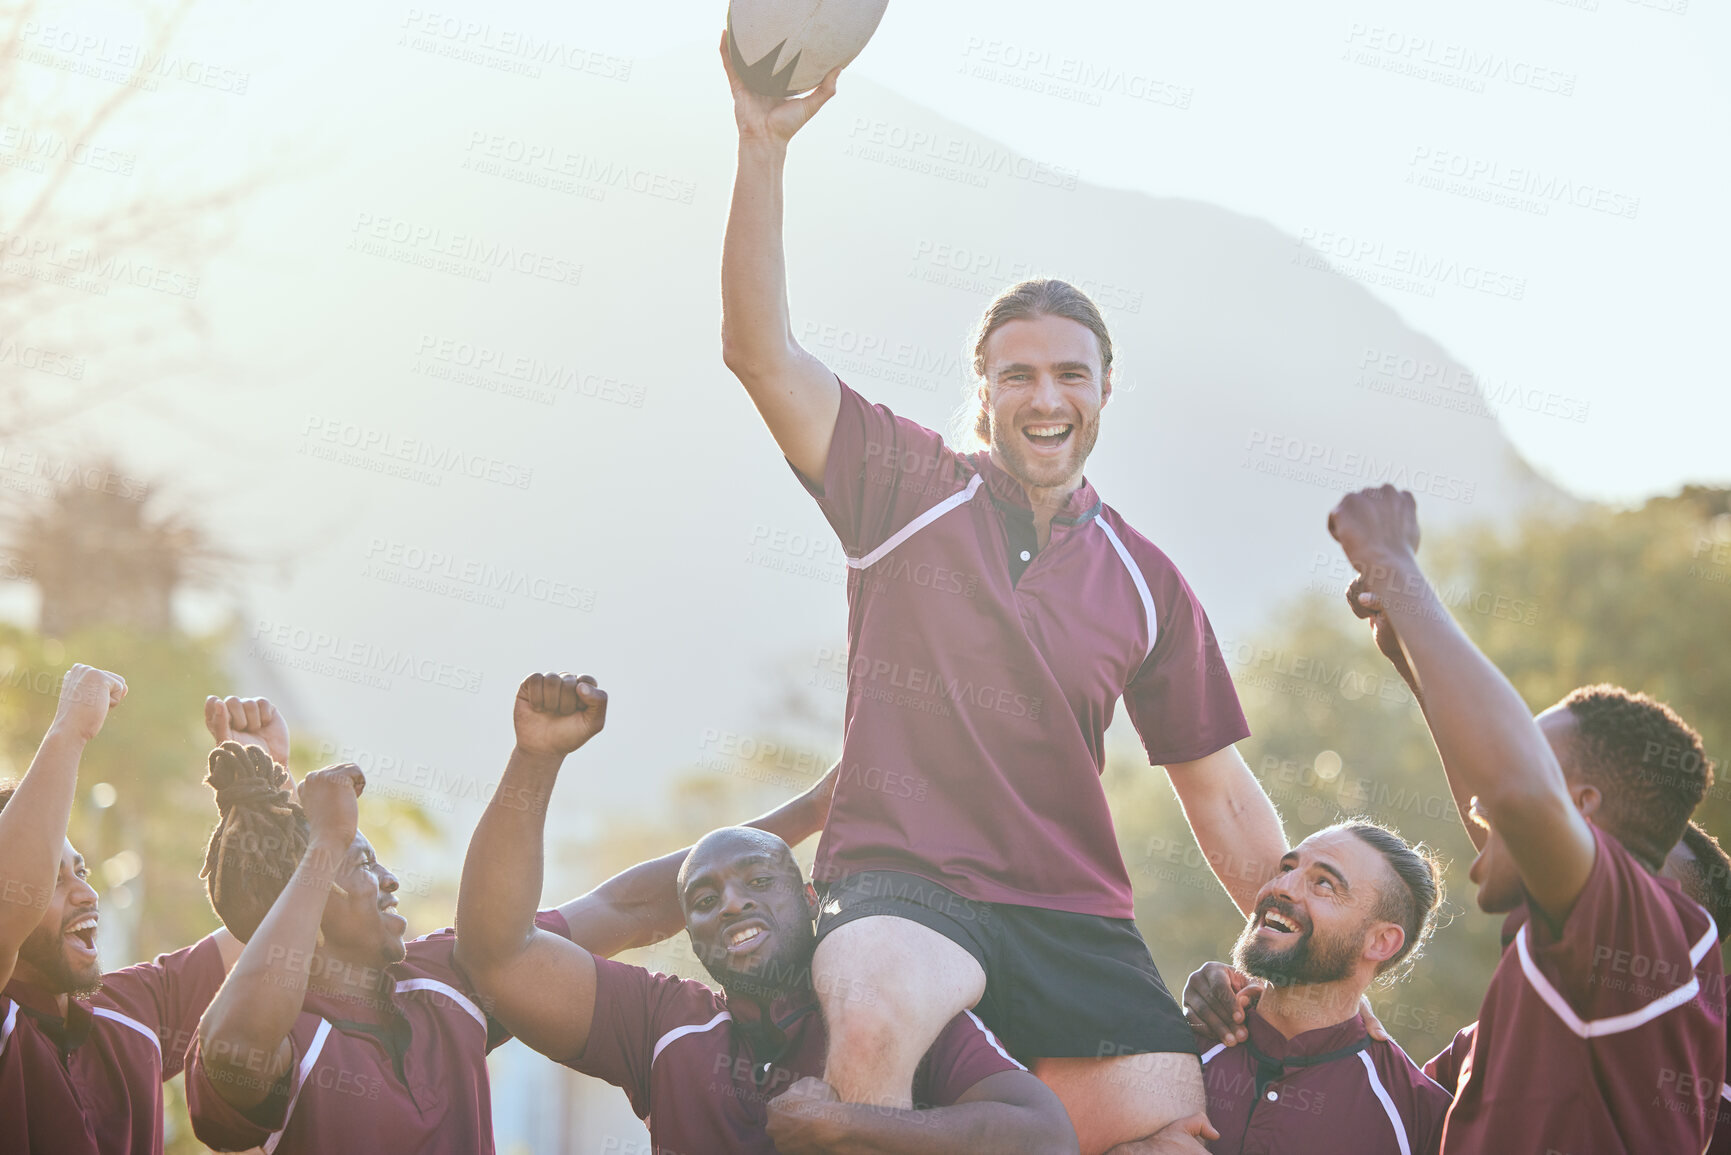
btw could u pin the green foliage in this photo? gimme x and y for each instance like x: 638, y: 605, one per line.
x: 1637, y: 597
x: 147, y: 847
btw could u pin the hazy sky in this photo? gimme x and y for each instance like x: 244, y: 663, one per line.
x: 1579, y: 146
x: 1571, y: 149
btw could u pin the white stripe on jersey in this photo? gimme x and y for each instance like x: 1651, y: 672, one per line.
x: 1141, y: 585
x: 1211, y: 1052
x: 678, y: 1033
x: 1699, y: 950
x: 462, y: 1000
x: 918, y: 524
x: 301, y: 1077
x: 1382, y: 1097
x: 1598, y: 1028
x: 127, y: 1021
x: 6, y: 1026
x: 993, y: 1039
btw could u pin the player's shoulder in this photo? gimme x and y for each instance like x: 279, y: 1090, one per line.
x: 674, y: 1002
x: 1409, y: 1076
x: 1153, y: 561
x: 144, y: 991
x: 1655, y: 908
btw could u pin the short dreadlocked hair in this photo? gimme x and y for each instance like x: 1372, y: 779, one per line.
x: 1413, y: 903
x: 1707, y: 880
x: 259, y: 839
x: 1648, y: 764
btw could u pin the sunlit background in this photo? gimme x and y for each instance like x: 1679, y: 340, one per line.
x: 368, y: 360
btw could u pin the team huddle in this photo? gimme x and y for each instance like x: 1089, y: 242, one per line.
x: 962, y: 974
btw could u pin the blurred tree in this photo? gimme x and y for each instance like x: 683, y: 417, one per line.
x: 79, y: 217
x: 1637, y: 597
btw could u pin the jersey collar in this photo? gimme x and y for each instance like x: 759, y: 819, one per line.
x: 1007, y: 492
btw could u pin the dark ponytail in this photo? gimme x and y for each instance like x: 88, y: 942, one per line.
x: 259, y: 838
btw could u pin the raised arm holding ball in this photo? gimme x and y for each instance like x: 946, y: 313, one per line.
x: 997, y: 613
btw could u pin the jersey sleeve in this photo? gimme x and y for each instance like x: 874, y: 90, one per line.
x: 635, y: 1010
x: 220, y: 1125
x: 168, y: 995
x: 1445, y: 1066
x: 1628, y: 951
x: 965, y: 1052
x: 882, y: 472
x: 1182, y: 701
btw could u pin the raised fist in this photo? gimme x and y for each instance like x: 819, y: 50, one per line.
x: 331, y: 800
x: 557, y: 713
x: 1376, y: 526
x: 86, y: 696
x: 251, y: 722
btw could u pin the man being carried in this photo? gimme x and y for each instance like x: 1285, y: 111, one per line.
x: 1572, y: 1051
x: 997, y: 613
x: 724, y: 1074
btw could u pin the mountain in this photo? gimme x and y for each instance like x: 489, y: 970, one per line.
x: 468, y: 391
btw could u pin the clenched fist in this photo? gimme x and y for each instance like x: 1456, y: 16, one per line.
x: 557, y: 713
x: 86, y: 696
x: 251, y: 722
x: 1376, y: 527
x: 331, y: 800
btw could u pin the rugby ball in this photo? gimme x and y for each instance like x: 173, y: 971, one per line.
x: 783, y: 47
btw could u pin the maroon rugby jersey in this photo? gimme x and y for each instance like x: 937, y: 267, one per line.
x: 1301, y: 1096
x: 670, y: 1044
x: 1596, y: 1038
x: 92, y: 1083
x: 405, y: 1075
x: 977, y: 704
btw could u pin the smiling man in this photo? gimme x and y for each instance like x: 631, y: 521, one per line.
x: 1291, y: 1074
x: 83, y: 1054
x: 1607, y: 1014
x: 733, y: 1072
x: 998, y: 611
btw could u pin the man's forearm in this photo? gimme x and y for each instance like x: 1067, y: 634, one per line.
x: 640, y: 906
x: 32, y: 832
x: 981, y: 1128
x: 1235, y: 823
x: 1484, y: 731
x: 755, y: 328
x: 502, y: 873
x: 257, y: 1005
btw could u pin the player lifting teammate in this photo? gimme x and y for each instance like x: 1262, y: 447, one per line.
x: 992, y: 879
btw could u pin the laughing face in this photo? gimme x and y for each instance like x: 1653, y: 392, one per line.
x: 749, y: 912
x: 60, y: 954
x: 1044, y: 389
x: 1315, y: 921
x: 364, y: 927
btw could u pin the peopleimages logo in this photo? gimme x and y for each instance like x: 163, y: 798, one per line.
x: 1401, y: 267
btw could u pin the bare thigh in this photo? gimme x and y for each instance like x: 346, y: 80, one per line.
x: 888, y: 986
x: 1122, y: 1098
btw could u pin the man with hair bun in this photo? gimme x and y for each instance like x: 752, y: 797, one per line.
x: 1603, y: 1031
x: 1289, y: 1064
x: 997, y: 613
